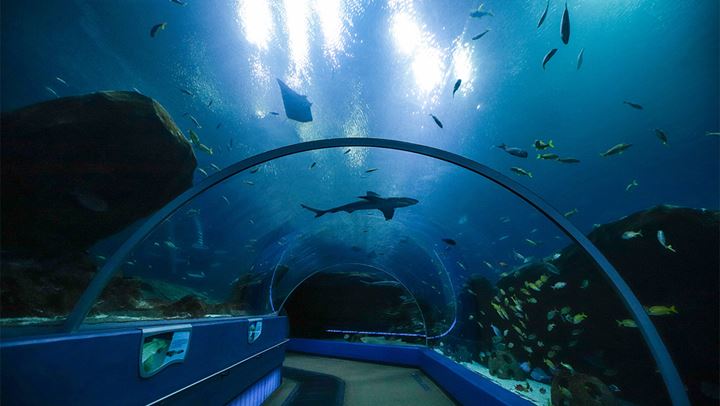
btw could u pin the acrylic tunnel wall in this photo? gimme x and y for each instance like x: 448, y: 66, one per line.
x: 504, y: 291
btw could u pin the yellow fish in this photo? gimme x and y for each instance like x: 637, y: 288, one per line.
x: 544, y: 278
x: 661, y: 310
x: 525, y: 291
x: 626, y: 323
x: 532, y: 286
x: 578, y: 318
x: 549, y: 363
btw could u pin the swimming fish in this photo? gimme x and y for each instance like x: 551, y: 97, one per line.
x: 437, y: 121
x: 59, y: 79
x: 548, y: 56
x: 371, y: 201
x: 169, y: 244
x: 482, y: 34
x: 53, y: 92
x: 178, y: 2
x: 531, y: 242
x: 186, y: 92
x: 558, y: 285
x: 550, y: 326
x: 480, y: 13
x: 194, y: 120
x: 541, y: 145
x: 521, y: 171
x: 514, y: 151
x: 347, y: 151
x: 544, y: 14
x: 548, y: 156
x: 568, y: 367
x: 584, y: 284
x: 274, y: 113
x: 255, y: 169
x: 249, y: 182
x: 626, y: 323
x: 568, y: 160
x: 226, y: 200
x: 217, y: 168
x: 633, y: 105
x: 617, y: 149
x: 157, y: 27
x: 211, y: 102
x: 201, y: 170
x: 217, y: 127
x: 532, y: 286
x: 660, y: 310
x: 200, y: 275
x: 629, y: 235
x: 661, y: 135
x: 496, y: 330
x: 661, y: 240
x: 297, y: 106
x: 565, y: 26
x: 371, y: 170
x: 457, y: 86
x: 578, y: 318
x: 205, y: 148
x: 571, y: 213
x: 194, y: 137
x: 631, y: 185
x: 314, y: 164
x: 712, y: 133
x: 449, y: 241
x: 549, y: 364
x: 580, y: 58
x: 565, y: 310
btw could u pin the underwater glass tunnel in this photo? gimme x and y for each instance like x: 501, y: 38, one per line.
x: 151, y: 259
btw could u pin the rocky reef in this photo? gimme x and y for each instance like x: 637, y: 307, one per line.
x: 564, y: 311
x: 78, y: 169
x: 73, y: 171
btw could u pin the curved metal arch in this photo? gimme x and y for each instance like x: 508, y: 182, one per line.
x: 658, y: 350
x: 364, y: 265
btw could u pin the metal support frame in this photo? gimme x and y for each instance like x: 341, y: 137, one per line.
x: 658, y: 350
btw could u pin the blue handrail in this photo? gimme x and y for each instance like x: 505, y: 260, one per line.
x: 658, y: 350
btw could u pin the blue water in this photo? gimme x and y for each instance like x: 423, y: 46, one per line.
x: 379, y: 69
x: 659, y: 54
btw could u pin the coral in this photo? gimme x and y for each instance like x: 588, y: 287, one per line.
x: 504, y: 365
x: 580, y: 390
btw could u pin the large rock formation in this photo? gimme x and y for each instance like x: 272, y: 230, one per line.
x: 687, y: 279
x: 77, y: 169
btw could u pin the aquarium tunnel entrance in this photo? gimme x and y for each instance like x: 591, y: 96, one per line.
x: 75, y: 320
x: 354, y: 302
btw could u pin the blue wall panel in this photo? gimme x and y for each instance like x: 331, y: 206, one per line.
x: 103, y: 367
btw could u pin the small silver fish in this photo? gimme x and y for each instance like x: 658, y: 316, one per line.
x: 662, y: 241
x: 629, y: 235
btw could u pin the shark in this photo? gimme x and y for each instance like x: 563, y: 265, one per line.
x: 371, y: 201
